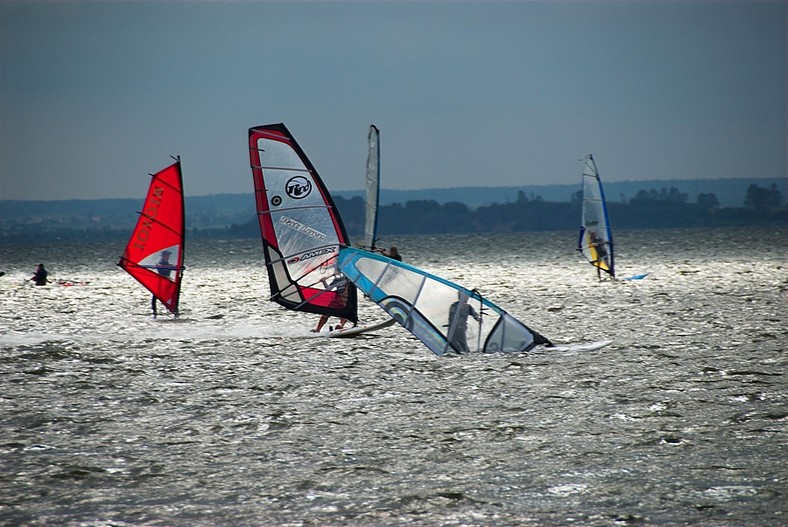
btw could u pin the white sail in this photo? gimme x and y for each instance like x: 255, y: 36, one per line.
x: 373, y: 189
x: 596, y: 239
x: 300, y: 226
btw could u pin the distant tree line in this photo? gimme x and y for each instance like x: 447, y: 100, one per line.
x: 649, y: 209
x: 666, y: 208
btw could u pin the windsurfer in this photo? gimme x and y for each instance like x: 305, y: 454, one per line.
x: 40, y: 276
x: 458, y: 322
x: 338, y: 284
x: 392, y: 252
x: 164, y: 268
x: 600, y: 246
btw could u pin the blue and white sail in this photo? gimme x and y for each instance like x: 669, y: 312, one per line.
x: 446, y: 317
x: 373, y: 189
x: 596, y: 239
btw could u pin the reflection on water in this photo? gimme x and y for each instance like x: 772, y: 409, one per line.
x: 235, y: 414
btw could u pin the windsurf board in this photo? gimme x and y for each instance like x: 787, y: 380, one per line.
x: 589, y: 346
x: 358, y: 330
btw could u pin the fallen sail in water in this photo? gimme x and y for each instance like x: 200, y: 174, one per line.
x: 446, y: 317
x: 154, y: 253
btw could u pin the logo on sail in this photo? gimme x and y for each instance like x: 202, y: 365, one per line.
x: 300, y: 227
x: 148, y: 216
x: 312, y: 254
x: 298, y: 187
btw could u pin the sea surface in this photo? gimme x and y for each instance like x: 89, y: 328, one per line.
x: 236, y: 415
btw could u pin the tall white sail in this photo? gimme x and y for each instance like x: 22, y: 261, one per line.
x: 373, y: 189
x: 300, y: 226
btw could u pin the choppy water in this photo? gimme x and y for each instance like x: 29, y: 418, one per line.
x: 111, y: 418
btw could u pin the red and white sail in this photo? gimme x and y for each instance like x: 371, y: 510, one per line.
x: 154, y: 253
x: 300, y: 226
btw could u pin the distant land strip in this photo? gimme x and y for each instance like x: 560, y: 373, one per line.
x: 233, y: 215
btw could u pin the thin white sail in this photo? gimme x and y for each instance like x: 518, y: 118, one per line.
x: 373, y: 189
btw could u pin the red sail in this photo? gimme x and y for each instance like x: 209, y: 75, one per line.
x: 154, y: 254
x: 300, y: 227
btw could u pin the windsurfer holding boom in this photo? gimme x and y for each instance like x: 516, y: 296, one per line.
x: 338, y: 284
x: 600, y: 246
x: 164, y: 268
x: 458, y: 322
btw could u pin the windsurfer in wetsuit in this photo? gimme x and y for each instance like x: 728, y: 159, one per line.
x: 164, y: 268
x: 40, y: 276
x: 458, y: 338
x: 338, y: 284
x: 459, y: 312
x: 600, y: 246
x: 392, y: 253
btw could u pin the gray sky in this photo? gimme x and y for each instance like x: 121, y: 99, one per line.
x: 96, y: 95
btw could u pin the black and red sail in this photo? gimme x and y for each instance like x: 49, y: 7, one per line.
x: 301, y: 229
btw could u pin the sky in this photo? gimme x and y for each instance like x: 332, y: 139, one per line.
x: 96, y: 95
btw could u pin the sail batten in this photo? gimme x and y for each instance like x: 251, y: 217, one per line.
x: 596, y: 238
x: 154, y: 255
x: 300, y: 227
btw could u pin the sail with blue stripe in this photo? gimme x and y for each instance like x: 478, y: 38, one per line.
x: 446, y: 317
x: 596, y: 239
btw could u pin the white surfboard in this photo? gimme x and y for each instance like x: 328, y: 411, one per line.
x: 589, y: 346
x: 358, y: 330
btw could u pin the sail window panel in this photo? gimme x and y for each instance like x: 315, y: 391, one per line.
x: 403, y: 284
x: 593, y: 212
x: 313, y: 229
x: 279, y: 154
x: 434, y: 302
x: 289, y: 293
x: 387, y: 280
x: 509, y: 335
x: 152, y: 261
